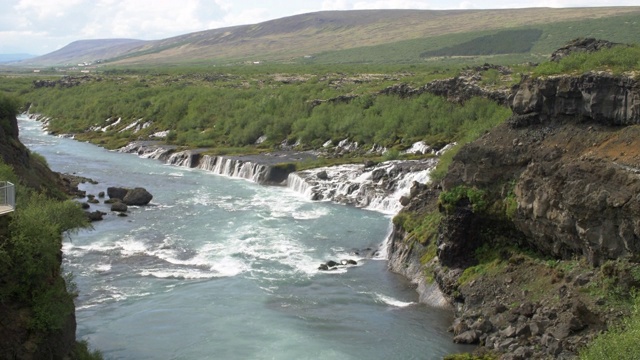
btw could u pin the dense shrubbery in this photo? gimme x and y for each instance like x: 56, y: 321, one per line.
x: 617, y: 59
x: 619, y: 343
x: 30, y: 254
x: 237, y: 111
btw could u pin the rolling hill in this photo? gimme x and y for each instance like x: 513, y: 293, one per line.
x: 334, y: 36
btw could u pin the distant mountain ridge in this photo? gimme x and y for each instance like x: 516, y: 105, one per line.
x: 5, y: 58
x: 297, y: 36
x: 88, y: 51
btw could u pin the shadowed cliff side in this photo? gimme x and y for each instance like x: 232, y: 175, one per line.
x: 534, y: 232
x: 37, y: 314
x: 31, y: 168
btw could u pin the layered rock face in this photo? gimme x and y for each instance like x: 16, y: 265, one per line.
x: 569, y: 162
x: 576, y: 165
x: 600, y: 98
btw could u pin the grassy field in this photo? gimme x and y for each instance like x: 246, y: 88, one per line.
x: 470, y: 47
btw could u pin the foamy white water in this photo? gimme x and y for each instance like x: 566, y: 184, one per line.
x: 227, y: 269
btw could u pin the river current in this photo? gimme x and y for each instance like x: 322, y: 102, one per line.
x: 221, y: 268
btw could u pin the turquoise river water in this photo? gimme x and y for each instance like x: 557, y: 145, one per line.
x: 221, y: 268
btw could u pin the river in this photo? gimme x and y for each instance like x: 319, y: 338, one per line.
x: 221, y: 268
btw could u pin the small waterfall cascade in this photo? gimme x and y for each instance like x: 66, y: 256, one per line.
x: 161, y: 153
x: 231, y: 167
x: 378, y: 187
x: 182, y: 158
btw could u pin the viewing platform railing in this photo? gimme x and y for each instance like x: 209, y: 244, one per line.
x: 7, y: 197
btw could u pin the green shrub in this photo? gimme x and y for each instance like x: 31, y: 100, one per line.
x: 450, y: 199
x: 82, y: 352
x: 617, y: 59
x: 618, y: 343
x: 29, y: 255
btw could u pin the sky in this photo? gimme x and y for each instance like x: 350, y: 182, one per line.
x: 42, y: 26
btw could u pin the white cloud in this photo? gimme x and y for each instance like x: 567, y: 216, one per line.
x: 392, y: 4
x: 224, y: 5
x: 335, y: 5
x: 249, y: 16
x: 45, y: 9
x: 44, y: 25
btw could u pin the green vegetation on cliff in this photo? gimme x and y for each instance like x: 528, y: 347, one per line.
x: 38, y: 310
x: 620, y: 342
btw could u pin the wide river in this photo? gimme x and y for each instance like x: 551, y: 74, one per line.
x: 220, y: 268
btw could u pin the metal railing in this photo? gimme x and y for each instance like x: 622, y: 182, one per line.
x: 7, y: 197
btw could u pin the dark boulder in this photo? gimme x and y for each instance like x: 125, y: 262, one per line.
x: 322, y: 175
x: 119, y: 207
x: 117, y: 192
x: 137, y: 196
x: 333, y: 265
x: 377, y: 174
x: 467, y: 337
x: 95, y: 215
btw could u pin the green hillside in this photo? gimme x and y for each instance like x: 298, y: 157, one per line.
x: 473, y: 45
x: 366, y: 36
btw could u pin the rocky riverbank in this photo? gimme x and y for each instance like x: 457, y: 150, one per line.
x: 536, y: 227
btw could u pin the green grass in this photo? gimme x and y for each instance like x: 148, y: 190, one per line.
x: 618, y: 343
x: 476, y: 197
x: 83, y: 352
x: 516, y: 41
x: 494, y: 46
x: 618, y: 59
x: 489, y: 262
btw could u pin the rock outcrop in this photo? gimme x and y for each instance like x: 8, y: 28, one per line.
x: 595, y: 98
x: 568, y: 165
x: 457, y: 89
x: 581, y: 45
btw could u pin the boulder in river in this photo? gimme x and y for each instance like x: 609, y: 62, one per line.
x: 138, y: 196
x: 332, y: 265
x: 117, y: 192
x: 119, y: 207
x: 95, y: 215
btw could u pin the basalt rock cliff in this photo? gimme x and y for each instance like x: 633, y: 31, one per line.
x: 575, y: 164
x: 560, y: 179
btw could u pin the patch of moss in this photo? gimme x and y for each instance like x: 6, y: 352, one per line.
x: 477, y: 198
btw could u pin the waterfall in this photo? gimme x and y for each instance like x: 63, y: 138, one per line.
x: 181, y: 158
x: 377, y: 188
x: 237, y: 168
x: 390, y: 203
x: 219, y: 165
x: 299, y: 185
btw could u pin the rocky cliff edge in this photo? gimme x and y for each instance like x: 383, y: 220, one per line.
x: 538, y: 221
